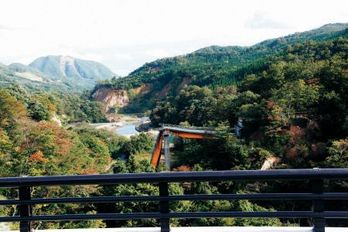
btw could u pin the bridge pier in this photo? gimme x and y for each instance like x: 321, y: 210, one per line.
x: 166, y: 149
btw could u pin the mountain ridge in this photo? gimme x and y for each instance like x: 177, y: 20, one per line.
x: 56, y: 72
x: 210, y: 66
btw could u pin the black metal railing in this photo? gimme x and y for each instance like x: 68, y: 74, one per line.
x: 317, y: 195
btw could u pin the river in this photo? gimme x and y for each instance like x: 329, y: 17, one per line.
x: 127, y: 130
x: 125, y: 126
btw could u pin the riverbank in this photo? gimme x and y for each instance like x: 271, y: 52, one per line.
x: 125, y: 125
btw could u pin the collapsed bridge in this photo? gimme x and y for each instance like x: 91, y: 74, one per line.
x: 162, y: 140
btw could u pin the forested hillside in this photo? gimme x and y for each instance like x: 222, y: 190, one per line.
x: 291, y: 105
x: 21, y: 75
x: 292, y: 112
x: 294, y: 108
x: 212, y: 66
x: 36, y: 140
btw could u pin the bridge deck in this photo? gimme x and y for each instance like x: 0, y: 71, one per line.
x: 189, y: 130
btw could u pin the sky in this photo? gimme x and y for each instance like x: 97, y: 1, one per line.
x: 125, y: 34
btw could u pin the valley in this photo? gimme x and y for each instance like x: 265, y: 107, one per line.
x: 287, y: 97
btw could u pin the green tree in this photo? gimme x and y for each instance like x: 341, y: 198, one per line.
x: 138, y: 144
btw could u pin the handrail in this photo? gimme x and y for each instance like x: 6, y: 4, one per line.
x: 291, y: 174
x: 315, y: 176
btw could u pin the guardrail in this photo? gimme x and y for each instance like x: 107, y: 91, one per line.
x: 315, y: 176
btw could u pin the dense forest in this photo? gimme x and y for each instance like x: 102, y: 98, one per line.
x: 36, y: 140
x: 293, y: 110
x: 293, y: 113
x: 287, y: 97
x: 213, y: 67
x: 295, y: 107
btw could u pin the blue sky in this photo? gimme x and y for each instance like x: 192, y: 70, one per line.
x: 124, y: 34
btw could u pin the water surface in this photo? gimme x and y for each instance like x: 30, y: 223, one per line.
x: 126, y: 130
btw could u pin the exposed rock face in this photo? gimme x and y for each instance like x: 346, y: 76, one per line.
x: 56, y: 119
x: 143, y: 89
x: 111, y: 97
x: 270, y: 162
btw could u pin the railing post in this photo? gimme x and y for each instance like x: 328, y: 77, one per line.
x: 25, y: 210
x: 164, y: 206
x: 318, y: 205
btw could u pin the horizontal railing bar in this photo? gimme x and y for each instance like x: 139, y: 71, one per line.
x: 105, y: 216
x: 101, y: 199
x: 263, y: 196
x: 151, y: 215
x: 290, y: 174
x: 273, y: 214
x: 201, y: 197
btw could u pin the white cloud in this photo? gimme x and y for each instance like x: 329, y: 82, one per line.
x: 124, y: 34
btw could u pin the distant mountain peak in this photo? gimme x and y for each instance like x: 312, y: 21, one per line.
x: 71, y: 70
